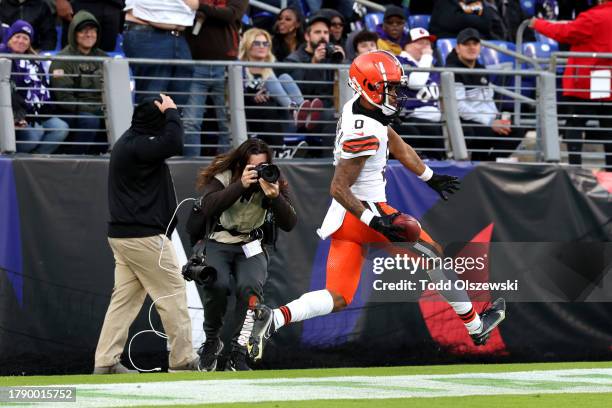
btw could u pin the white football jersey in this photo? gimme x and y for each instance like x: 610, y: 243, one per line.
x: 360, y: 135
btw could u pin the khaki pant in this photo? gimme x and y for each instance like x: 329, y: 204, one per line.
x: 137, y: 274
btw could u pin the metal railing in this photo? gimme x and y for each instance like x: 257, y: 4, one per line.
x: 585, y: 106
x: 61, y: 123
x: 118, y: 100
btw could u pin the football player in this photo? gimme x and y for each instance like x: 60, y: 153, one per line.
x: 359, y: 213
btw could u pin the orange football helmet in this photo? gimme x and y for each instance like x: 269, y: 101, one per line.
x: 371, y: 74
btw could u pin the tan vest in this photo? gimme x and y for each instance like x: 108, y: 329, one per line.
x: 242, y: 216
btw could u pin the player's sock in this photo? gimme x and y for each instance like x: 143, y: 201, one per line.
x: 468, y: 316
x: 309, y: 305
x: 457, y: 299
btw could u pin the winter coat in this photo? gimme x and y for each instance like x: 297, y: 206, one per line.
x: 32, y: 75
x: 88, y: 73
x: 590, y: 32
x: 474, y: 95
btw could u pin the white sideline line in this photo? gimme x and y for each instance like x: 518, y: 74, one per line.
x: 350, y: 387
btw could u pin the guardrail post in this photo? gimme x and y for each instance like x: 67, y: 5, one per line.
x: 450, y: 114
x: 117, y: 98
x: 517, y: 78
x: 344, y: 90
x: 236, y: 105
x: 548, y: 127
x: 7, y: 121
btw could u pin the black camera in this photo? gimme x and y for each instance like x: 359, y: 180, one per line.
x: 268, y: 172
x: 197, y: 269
x: 332, y: 54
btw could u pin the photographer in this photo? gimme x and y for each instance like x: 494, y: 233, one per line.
x: 318, y: 50
x: 141, y: 201
x: 230, y: 219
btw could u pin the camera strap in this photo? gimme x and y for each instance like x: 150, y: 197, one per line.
x: 200, y: 247
x: 255, y: 234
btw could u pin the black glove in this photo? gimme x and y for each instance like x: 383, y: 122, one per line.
x: 385, y: 226
x: 444, y: 184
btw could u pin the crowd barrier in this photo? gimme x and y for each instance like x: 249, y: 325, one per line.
x: 528, y: 94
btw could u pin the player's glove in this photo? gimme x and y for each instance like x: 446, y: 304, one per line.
x: 443, y: 184
x: 384, y: 225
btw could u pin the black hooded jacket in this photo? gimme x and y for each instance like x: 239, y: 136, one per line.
x: 141, y: 196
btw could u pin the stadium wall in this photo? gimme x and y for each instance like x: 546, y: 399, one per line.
x: 56, y: 269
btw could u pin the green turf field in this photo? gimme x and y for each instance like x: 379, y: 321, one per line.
x: 506, y: 385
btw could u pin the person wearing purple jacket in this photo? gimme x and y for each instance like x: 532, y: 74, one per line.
x: 422, y: 123
x: 391, y: 32
x: 30, y: 95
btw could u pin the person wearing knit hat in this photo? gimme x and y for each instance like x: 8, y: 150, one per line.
x: 30, y: 95
x: 19, y: 43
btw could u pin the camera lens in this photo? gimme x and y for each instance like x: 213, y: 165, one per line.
x: 332, y: 54
x: 270, y: 173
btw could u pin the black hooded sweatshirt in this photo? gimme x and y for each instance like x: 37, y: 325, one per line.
x: 141, y: 196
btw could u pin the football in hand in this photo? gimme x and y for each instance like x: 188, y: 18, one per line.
x: 411, y: 228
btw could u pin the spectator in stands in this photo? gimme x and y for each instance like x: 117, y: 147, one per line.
x: 392, y: 35
x: 365, y: 41
x: 423, y: 116
x: 38, y: 14
x: 583, y: 99
x: 288, y: 33
x: 391, y: 32
x: 156, y: 30
x: 337, y: 28
x: 314, y: 51
x: 263, y: 88
x: 449, y: 17
x: 109, y: 14
x: 79, y: 85
x: 479, y: 115
x: 218, y: 39
x: 359, y: 42
x: 30, y: 102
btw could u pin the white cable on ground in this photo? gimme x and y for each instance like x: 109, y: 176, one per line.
x: 152, y: 330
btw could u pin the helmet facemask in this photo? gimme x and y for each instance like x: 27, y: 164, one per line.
x: 378, y: 86
x: 394, y: 95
